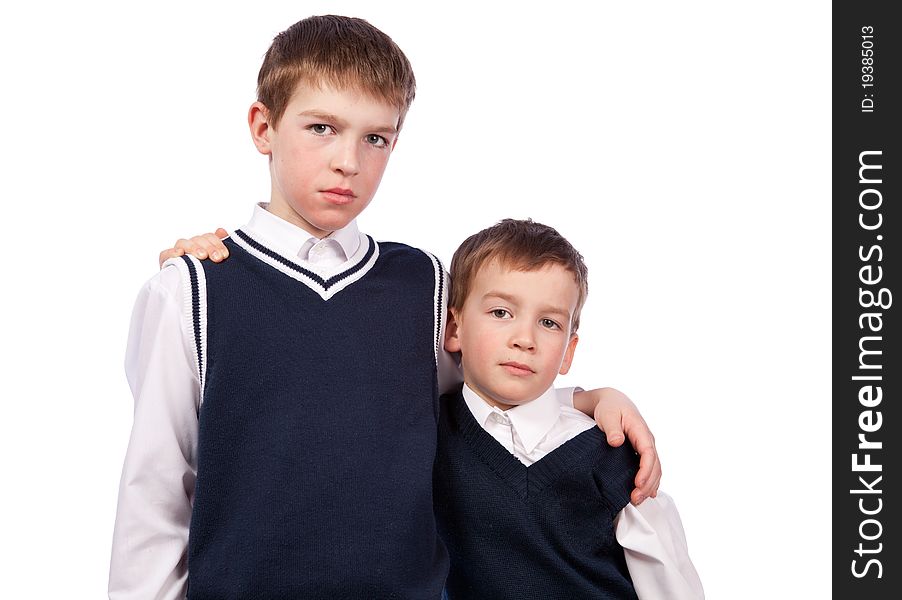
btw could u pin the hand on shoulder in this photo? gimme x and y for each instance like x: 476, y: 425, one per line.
x: 206, y: 245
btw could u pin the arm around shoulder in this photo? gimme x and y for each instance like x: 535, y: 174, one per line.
x: 156, y: 490
x: 616, y: 415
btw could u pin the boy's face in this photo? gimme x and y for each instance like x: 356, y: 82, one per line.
x: 327, y: 155
x: 513, y: 332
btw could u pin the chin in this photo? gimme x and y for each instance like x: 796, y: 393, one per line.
x: 339, y: 218
x: 512, y: 400
x: 333, y: 224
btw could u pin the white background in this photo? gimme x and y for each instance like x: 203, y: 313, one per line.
x: 683, y: 147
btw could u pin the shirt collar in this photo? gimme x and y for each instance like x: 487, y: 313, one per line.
x: 480, y: 408
x: 290, y: 239
x: 532, y: 421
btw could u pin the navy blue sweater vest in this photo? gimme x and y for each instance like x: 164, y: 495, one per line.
x: 543, y: 531
x: 317, y: 431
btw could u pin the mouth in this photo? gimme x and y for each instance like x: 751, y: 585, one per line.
x: 339, y: 195
x: 518, y: 369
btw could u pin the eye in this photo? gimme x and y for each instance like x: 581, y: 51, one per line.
x: 500, y: 313
x: 321, y: 129
x: 376, y: 140
x: 549, y: 324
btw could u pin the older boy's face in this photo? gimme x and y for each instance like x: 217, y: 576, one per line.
x: 328, y: 153
x: 513, y: 332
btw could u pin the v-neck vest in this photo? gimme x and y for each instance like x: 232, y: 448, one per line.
x: 317, y: 426
x: 542, y: 531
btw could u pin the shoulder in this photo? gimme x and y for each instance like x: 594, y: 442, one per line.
x: 167, y: 283
x: 180, y: 274
x: 399, y: 250
x: 172, y: 292
x: 414, y: 263
x: 622, y: 458
x: 614, y: 470
x: 162, y: 313
x: 575, y: 418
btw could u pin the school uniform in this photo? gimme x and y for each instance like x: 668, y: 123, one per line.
x: 533, y: 502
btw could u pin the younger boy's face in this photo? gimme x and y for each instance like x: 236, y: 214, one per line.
x: 327, y: 155
x: 513, y: 332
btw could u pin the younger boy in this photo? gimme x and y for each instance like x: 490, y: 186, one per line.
x: 531, y: 501
x: 286, y: 399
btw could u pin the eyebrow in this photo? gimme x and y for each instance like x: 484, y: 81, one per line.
x: 548, y: 308
x: 330, y: 118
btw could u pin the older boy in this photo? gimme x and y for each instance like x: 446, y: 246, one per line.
x: 286, y: 399
x: 530, y: 500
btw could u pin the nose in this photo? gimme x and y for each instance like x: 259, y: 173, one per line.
x: 522, y: 339
x: 345, y: 160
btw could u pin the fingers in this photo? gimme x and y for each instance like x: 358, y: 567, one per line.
x: 611, y: 413
x: 212, y: 242
x: 609, y: 419
x: 205, y: 245
x: 201, y: 246
x: 649, y: 476
x: 619, y: 417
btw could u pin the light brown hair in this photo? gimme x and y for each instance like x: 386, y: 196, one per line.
x: 521, y: 245
x: 343, y: 52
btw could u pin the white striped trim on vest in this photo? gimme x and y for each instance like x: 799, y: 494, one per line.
x: 194, y: 313
x: 194, y: 290
x: 441, y: 302
x: 361, y: 262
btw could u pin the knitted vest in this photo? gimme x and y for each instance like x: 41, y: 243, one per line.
x: 543, y: 531
x: 317, y: 427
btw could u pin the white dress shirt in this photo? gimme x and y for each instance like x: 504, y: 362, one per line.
x: 651, y: 534
x: 156, y: 492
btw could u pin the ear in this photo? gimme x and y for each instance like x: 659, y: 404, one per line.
x: 452, y: 341
x: 568, y: 354
x: 258, y: 121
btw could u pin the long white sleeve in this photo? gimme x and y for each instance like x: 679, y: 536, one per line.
x: 656, y: 552
x: 150, y: 538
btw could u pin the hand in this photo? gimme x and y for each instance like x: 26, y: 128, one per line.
x: 201, y: 246
x: 616, y: 414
